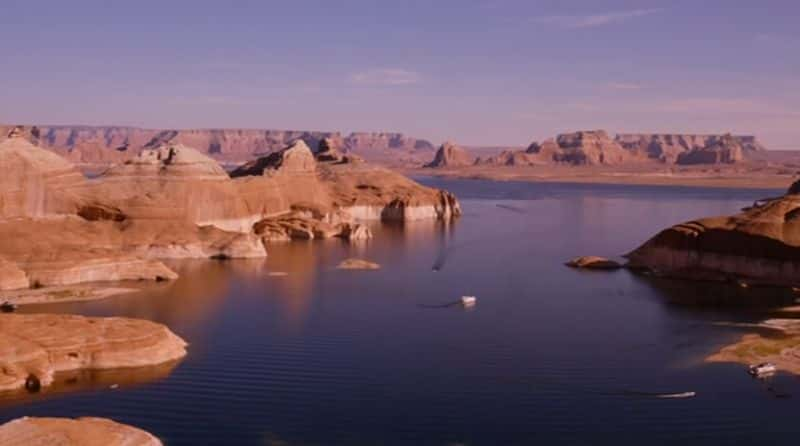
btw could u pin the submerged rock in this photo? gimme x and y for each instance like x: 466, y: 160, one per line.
x: 759, y: 245
x: 592, y: 262
x: 43, y: 344
x: 357, y: 264
x: 85, y: 431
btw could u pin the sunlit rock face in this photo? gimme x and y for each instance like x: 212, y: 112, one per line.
x: 761, y: 243
x: 73, y: 432
x: 690, y: 148
x: 40, y: 345
x: 175, y: 183
x: 35, y: 183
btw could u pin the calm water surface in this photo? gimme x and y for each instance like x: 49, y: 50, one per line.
x: 323, y: 356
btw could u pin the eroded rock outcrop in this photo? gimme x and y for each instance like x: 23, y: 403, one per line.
x: 37, y: 346
x: 363, y: 191
x: 35, y: 183
x: 451, y: 155
x: 761, y: 244
x: 85, y: 431
x: 723, y: 150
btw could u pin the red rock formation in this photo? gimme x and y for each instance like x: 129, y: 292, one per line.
x: 668, y: 147
x: 451, y: 155
x: 723, y: 150
x: 762, y: 243
x: 106, y: 145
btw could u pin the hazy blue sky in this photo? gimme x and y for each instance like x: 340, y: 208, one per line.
x: 479, y: 72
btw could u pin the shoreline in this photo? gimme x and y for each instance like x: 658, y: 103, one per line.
x: 741, y: 180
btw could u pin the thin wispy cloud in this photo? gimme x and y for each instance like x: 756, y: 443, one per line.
x: 624, y: 86
x: 595, y: 20
x: 386, y: 76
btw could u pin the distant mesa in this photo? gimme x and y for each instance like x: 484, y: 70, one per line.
x: 451, y: 155
x: 106, y: 145
x: 596, y: 147
x: 691, y: 149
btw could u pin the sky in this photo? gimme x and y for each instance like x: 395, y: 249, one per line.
x: 482, y: 72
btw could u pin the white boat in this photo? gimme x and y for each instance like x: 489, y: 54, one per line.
x: 468, y: 301
x: 764, y: 368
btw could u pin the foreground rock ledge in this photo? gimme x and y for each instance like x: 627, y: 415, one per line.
x: 41, y: 345
x: 73, y: 432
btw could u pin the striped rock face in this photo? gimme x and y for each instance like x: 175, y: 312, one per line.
x: 41, y: 345
x: 73, y: 432
x: 761, y: 243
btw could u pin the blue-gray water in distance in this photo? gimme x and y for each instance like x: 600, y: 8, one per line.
x: 324, y: 356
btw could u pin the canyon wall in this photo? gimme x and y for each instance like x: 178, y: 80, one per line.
x: 110, y: 144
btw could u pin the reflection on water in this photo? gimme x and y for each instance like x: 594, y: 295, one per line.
x: 91, y: 380
x: 325, y: 356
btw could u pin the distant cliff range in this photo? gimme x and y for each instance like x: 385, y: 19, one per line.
x: 596, y: 147
x: 109, y: 144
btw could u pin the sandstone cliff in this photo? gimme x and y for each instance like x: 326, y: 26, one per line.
x: 593, y: 147
x: 451, y: 155
x: 668, y: 148
x: 107, y: 145
x: 761, y: 244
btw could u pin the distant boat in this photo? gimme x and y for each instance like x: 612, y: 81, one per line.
x: 468, y: 301
x: 677, y: 395
x: 765, y: 368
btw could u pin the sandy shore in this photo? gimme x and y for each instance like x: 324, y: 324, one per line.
x: 723, y: 177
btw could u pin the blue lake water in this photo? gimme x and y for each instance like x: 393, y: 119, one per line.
x: 323, y: 356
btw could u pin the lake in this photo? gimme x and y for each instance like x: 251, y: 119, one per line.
x: 323, y: 356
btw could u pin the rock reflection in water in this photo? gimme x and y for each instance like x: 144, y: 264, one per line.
x: 91, y: 380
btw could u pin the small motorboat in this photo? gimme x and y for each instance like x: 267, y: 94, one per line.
x: 765, y: 368
x: 468, y: 301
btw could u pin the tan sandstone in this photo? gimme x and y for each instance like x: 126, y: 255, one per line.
x: 42, y: 345
x: 85, y: 431
x: 760, y: 244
